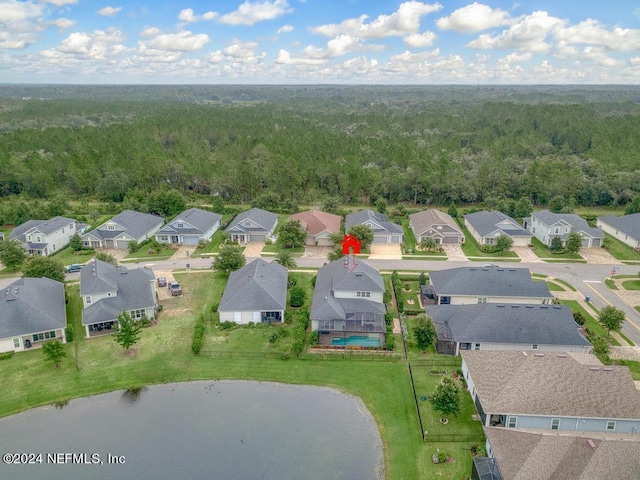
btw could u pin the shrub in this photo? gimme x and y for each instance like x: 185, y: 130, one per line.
x: 214, y: 307
x: 578, y: 317
x: 297, y: 296
x: 288, y: 317
x: 314, y: 278
x: 198, y: 332
x: 274, y: 337
x: 442, y: 457
x: 68, y: 332
x: 314, y: 337
x: 227, y: 325
x: 6, y: 355
x: 390, y: 338
x: 422, y: 280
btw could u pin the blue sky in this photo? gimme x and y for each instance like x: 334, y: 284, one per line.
x: 320, y: 41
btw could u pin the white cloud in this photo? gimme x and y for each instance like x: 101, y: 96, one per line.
x: 528, y: 34
x: 63, y: 23
x: 284, y: 58
x: 418, y: 40
x: 600, y: 57
x: 188, y: 16
x: 183, y: 41
x: 404, y: 21
x: 285, y: 29
x: 150, y: 32
x: 243, y: 52
x: 250, y: 13
x: 60, y: 3
x: 594, y: 33
x: 336, y: 47
x: 109, y: 11
x: 473, y: 18
x: 88, y: 46
x: 14, y: 11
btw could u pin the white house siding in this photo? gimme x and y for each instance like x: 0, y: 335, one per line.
x: 576, y: 424
x: 468, y: 300
x: 6, y: 344
x: 375, y: 296
x: 529, y: 347
x: 473, y: 232
x: 245, y: 316
x: 97, y: 297
x: 624, y: 238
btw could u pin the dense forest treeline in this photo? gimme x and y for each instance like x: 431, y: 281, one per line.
x: 431, y: 145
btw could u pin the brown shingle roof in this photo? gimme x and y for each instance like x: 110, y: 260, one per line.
x: 510, y: 382
x: 422, y: 221
x: 317, y: 222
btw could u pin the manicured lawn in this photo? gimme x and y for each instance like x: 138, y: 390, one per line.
x: 553, y: 287
x: 610, y: 284
x: 543, y: 252
x: 619, y: 250
x: 213, y: 246
x: 68, y: 257
x: 631, y: 285
x: 146, y: 252
x: 471, y: 248
x: 409, y: 238
x: 637, y: 309
x: 275, y: 248
x: 566, y: 284
x: 590, y: 321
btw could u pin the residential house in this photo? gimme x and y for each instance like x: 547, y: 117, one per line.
x: 255, y: 293
x: 484, y: 284
x: 486, y: 226
x: 255, y: 225
x: 45, y: 237
x: 122, y: 229
x: 32, y: 310
x: 190, y: 227
x: 319, y: 226
x: 437, y: 225
x: 348, y: 306
x: 108, y: 291
x: 546, y: 225
x: 522, y: 455
x: 383, y: 230
x: 551, y: 391
x: 499, y: 326
x: 625, y: 228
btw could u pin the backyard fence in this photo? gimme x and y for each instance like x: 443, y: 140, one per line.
x: 453, y: 438
x: 347, y: 355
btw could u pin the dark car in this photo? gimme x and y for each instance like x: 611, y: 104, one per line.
x: 175, y: 289
x: 73, y: 268
x: 162, y: 282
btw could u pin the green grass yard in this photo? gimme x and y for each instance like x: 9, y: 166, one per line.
x: 631, y: 284
x: 543, y: 252
x: 619, y: 250
x: 471, y: 248
x: 68, y: 257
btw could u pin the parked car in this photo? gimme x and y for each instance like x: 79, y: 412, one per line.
x: 162, y: 282
x: 76, y: 267
x: 175, y: 289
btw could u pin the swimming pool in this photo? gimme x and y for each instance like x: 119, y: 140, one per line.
x: 356, y: 340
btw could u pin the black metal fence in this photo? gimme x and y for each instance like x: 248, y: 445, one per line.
x: 353, y: 355
x: 453, y: 438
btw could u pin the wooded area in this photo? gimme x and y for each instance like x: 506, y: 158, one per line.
x: 304, y: 145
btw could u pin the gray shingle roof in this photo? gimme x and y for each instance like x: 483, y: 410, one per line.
x: 488, y: 282
x: 44, y: 226
x: 267, y: 220
x: 486, y: 222
x: 627, y: 224
x: 202, y: 220
x: 136, y: 224
x: 133, y: 289
x: 258, y: 286
x: 363, y: 216
x: 32, y: 305
x: 334, y: 276
x: 423, y: 221
x: 524, y: 455
x: 554, y: 385
x: 495, y: 323
x: 577, y: 223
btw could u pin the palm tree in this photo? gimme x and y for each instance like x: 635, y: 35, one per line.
x: 285, y: 259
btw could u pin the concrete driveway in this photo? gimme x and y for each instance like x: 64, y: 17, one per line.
x: 598, y: 255
x: 253, y: 249
x: 385, y: 251
x: 526, y: 255
x: 454, y: 252
x: 311, y: 251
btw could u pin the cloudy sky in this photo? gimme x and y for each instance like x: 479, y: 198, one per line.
x: 320, y: 41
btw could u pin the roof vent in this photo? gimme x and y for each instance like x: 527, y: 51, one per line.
x: 500, y: 306
x: 561, y: 355
x: 591, y: 444
x: 525, y: 354
x: 557, y: 307
x: 544, y: 306
x: 594, y: 369
x: 528, y: 306
x: 538, y: 354
x: 607, y: 369
x: 11, y: 299
x: 501, y: 270
x: 515, y: 306
x: 472, y: 269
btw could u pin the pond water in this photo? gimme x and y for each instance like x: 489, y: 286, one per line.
x: 208, y: 430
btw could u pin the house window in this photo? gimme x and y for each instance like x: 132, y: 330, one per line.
x: 557, y: 230
x: 247, y: 223
x: 38, y: 239
x: 180, y: 225
x: 43, y: 336
x: 16, y: 343
x: 163, y: 238
x: 534, y: 347
x: 137, y: 314
x: 513, y: 422
x: 555, y: 424
x: 482, y: 299
x: 87, y: 299
x: 62, y: 229
x: 71, y: 226
x: 363, y: 294
x: 611, y: 426
x: 111, y: 227
x: 476, y: 346
x: 534, y: 229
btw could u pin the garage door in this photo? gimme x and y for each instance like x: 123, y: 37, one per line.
x: 122, y: 244
x: 396, y: 239
x: 450, y: 240
x: 585, y: 242
x: 325, y: 242
x: 257, y: 238
x: 380, y: 239
x: 190, y: 240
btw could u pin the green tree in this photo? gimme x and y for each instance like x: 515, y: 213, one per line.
x: 556, y: 244
x: 611, y: 318
x: 633, y: 206
x: 133, y: 246
x: 453, y: 211
x: 53, y: 351
x: 297, y: 296
x: 229, y: 259
x: 428, y: 244
x: 127, y: 331
x: 364, y: 233
x: 49, y: 267
x: 523, y: 208
x: 335, y: 254
x: 292, y: 234
x: 574, y: 242
x: 422, y: 279
x: 12, y: 253
x: 556, y: 204
x: 578, y: 317
x: 424, y: 332
x: 75, y: 242
x: 382, y: 205
x: 446, y: 398
x: 166, y: 203
x: 107, y: 258
x: 285, y: 259
x: 503, y: 242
